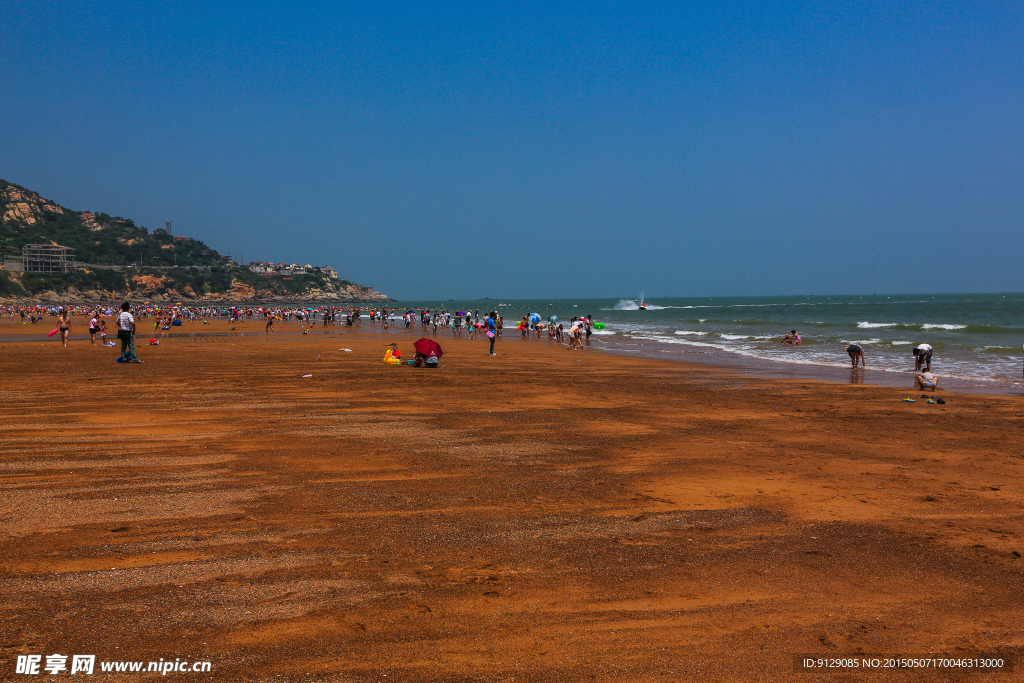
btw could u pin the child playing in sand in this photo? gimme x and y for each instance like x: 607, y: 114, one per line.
x: 103, y: 333
x: 926, y: 380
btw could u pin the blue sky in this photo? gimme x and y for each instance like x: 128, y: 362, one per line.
x: 542, y: 150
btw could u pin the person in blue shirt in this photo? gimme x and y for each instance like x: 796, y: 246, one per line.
x: 492, y: 330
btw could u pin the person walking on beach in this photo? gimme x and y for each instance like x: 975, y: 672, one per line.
x: 64, y: 324
x: 856, y: 355
x: 126, y: 333
x: 492, y: 330
x: 922, y: 357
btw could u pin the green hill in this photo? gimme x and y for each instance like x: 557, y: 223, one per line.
x: 119, y: 258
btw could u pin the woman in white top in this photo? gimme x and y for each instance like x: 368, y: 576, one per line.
x: 94, y: 327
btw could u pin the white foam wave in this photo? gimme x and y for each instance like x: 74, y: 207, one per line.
x: 865, y: 324
x: 695, y: 333
x: 938, y: 326
x: 602, y: 332
x: 735, y: 337
x: 687, y: 342
x: 886, y: 361
x: 901, y: 342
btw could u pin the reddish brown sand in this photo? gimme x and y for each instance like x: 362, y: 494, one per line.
x: 543, y: 515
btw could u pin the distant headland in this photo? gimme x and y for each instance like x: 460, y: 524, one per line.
x: 51, y: 253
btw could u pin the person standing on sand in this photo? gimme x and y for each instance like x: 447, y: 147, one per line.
x: 103, y: 333
x: 94, y: 328
x: 492, y: 329
x: 856, y: 354
x: 126, y: 333
x: 64, y: 324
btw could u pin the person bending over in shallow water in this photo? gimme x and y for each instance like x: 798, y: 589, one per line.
x: 922, y: 357
x: 856, y: 354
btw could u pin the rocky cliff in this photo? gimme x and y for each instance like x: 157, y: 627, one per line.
x: 117, y: 259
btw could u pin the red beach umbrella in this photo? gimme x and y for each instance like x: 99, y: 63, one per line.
x: 428, y: 347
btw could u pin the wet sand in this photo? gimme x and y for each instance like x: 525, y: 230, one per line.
x: 543, y: 515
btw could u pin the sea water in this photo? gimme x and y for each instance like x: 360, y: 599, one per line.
x: 975, y: 337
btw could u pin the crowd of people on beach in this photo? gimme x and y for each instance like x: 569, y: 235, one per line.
x: 489, y: 325
x: 164, y: 317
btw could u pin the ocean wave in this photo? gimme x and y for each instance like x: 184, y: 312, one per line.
x: 866, y: 325
x: 883, y: 359
x: 940, y: 326
x: 735, y: 337
x: 695, y: 333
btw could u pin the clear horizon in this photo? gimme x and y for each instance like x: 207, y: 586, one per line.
x: 718, y: 149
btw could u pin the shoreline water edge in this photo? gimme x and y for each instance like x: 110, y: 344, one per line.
x: 976, y: 337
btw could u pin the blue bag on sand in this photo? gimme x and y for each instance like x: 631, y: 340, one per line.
x: 119, y: 360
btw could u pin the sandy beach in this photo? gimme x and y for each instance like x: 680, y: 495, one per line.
x: 542, y: 515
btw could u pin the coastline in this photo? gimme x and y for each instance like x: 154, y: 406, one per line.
x: 775, y: 369
x: 752, y: 368
x: 539, y: 515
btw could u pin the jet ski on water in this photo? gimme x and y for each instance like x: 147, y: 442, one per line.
x: 643, y: 306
